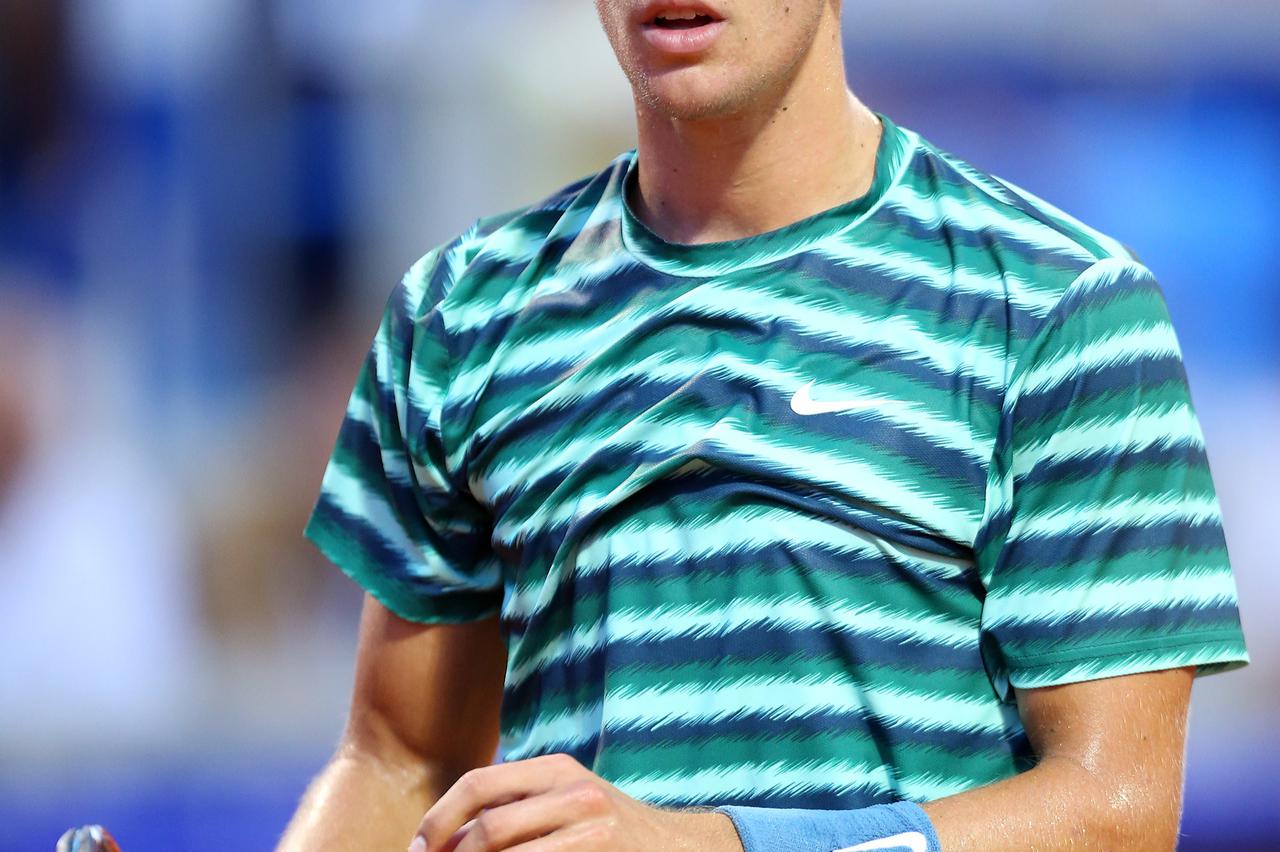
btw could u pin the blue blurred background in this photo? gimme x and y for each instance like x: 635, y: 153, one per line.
x: 204, y: 203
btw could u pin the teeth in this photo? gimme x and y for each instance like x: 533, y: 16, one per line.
x: 686, y: 15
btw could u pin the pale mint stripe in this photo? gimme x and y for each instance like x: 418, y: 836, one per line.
x: 567, y: 349
x: 904, y: 266
x: 865, y: 481
x: 817, y: 317
x: 785, y: 698
x: 1127, y: 347
x: 1203, y: 652
x: 1130, y: 431
x: 416, y: 279
x: 478, y: 312
x: 1107, y: 272
x: 353, y: 497
x: 1192, y: 587
x: 718, y: 783
x: 550, y: 732
x: 947, y: 432
x: 608, y: 208
x: 455, y: 259
x: 983, y: 181
x: 658, y: 434
x: 1110, y: 245
x: 898, y: 334
x: 798, y: 613
x: 781, y: 699
x: 938, y: 210
x: 713, y: 298
x: 1125, y: 512
x: 746, y: 527
x: 782, y: 778
x: 512, y: 244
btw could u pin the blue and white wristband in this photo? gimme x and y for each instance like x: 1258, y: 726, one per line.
x: 900, y: 827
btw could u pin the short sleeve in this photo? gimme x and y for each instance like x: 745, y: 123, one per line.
x: 390, y: 512
x: 1102, y: 551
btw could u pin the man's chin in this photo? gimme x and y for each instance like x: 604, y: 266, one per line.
x: 685, y: 99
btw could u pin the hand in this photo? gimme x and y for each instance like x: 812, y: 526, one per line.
x: 553, y: 803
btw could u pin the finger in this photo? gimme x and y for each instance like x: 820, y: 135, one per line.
x: 493, y: 786
x: 536, y: 816
x: 451, y: 844
x: 592, y: 836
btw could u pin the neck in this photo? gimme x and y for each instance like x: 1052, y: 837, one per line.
x: 791, y: 155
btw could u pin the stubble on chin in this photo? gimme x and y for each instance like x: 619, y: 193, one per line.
x: 687, y: 101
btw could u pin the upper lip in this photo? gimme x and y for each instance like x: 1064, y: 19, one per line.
x: 654, y: 9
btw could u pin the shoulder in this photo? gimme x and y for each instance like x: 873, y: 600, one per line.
x: 496, y: 248
x: 1039, y: 252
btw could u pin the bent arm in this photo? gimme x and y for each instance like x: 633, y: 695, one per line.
x: 1109, y: 776
x: 424, y: 710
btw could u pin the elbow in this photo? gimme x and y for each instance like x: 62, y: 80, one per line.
x: 1139, y: 817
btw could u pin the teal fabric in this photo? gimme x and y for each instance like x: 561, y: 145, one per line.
x: 783, y: 521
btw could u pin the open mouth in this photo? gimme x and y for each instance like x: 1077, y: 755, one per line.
x: 680, y: 27
x: 682, y: 20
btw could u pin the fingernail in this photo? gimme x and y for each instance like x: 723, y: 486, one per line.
x: 418, y: 844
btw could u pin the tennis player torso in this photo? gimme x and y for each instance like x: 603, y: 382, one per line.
x: 736, y: 491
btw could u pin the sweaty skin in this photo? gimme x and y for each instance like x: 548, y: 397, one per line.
x: 717, y: 137
x: 424, y: 723
x: 424, y: 710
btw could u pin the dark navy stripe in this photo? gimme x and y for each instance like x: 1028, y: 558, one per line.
x: 1111, y: 462
x: 390, y: 564
x: 899, y: 295
x: 516, y: 384
x: 1158, y: 620
x: 760, y: 560
x: 1083, y: 301
x: 1146, y: 373
x: 1087, y: 544
x: 1017, y: 202
x: 357, y: 445
x: 725, y: 393
x: 588, y: 303
x: 760, y: 641
x: 988, y: 239
x: 745, y: 473
x: 887, y: 737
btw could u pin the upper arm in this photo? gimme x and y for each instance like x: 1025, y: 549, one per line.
x: 427, y: 693
x: 1102, y: 550
x: 397, y: 516
x: 1127, y: 734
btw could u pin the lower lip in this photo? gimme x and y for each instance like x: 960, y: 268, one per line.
x: 691, y: 40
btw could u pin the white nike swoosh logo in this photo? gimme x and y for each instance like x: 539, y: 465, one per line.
x: 913, y: 840
x: 803, y: 403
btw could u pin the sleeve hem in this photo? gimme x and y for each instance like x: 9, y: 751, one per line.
x: 447, y: 608
x: 1210, y: 652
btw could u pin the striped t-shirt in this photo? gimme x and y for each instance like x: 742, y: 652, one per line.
x: 780, y: 521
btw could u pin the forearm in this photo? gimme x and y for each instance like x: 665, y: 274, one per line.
x: 1059, y: 805
x: 362, y: 801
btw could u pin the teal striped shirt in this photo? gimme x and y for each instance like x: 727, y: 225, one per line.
x: 780, y: 521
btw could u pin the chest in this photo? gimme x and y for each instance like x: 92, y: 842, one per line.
x: 852, y: 392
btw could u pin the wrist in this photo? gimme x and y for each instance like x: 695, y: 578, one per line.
x: 705, y: 830
x: 900, y: 827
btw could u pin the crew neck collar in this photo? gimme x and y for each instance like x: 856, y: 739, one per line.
x: 720, y: 258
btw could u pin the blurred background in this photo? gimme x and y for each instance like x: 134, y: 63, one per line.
x: 204, y: 204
